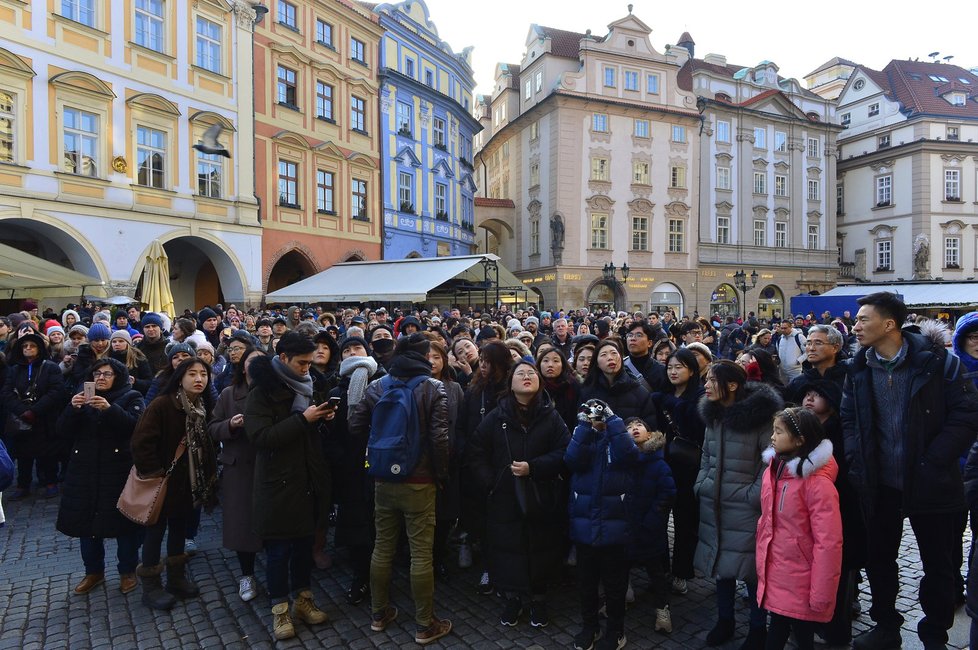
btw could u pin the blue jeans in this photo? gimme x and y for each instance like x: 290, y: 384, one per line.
x: 727, y: 595
x: 127, y: 552
x: 287, y: 560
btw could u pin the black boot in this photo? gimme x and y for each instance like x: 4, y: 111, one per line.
x: 154, y: 596
x: 176, y: 578
x: 881, y: 637
x: 756, y: 639
x: 722, y: 632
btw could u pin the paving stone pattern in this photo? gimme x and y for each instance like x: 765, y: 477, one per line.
x: 38, y: 610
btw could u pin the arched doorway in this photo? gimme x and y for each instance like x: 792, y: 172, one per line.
x: 536, y: 297
x: 605, y: 294
x: 770, y: 302
x: 724, y: 301
x: 667, y: 296
x: 202, y: 273
x: 289, y: 269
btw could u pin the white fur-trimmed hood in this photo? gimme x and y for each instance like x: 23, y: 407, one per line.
x: 819, y: 458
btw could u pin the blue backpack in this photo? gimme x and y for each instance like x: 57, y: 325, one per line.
x: 6, y: 468
x: 394, y: 447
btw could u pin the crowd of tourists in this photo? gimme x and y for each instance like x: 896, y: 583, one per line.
x: 531, y: 445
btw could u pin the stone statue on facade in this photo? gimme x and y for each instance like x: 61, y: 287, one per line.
x: 921, y: 257
x: 557, y: 237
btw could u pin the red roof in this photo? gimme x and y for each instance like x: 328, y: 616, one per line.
x: 685, y: 76
x: 760, y: 96
x: 911, y: 84
x: 563, y: 43
x: 483, y: 202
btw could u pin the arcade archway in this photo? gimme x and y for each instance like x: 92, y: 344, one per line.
x: 289, y: 269
x: 724, y: 301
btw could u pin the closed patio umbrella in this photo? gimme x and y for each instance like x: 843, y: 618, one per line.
x: 156, y: 280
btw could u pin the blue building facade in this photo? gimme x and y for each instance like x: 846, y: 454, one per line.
x: 426, y: 137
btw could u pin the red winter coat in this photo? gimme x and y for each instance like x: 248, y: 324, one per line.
x: 799, y: 537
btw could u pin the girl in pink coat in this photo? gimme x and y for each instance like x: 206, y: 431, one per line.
x: 799, y: 534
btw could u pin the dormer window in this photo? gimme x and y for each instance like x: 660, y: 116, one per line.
x: 956, y: 99
x: 846, y: 118
x: 884, y: 141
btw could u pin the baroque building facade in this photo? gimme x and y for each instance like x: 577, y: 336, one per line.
x: 908, y: 170
x: 589, y: 157
x: 317, y: 137
x: 100, y: 105
x: 426, y: 131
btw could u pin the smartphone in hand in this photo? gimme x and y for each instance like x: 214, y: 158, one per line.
x: 333, y: 402
x: 89, y: 390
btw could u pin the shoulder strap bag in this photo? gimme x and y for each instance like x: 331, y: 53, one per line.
x: 142, y: 498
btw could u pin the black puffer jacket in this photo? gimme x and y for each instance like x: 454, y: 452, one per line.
x: 626, y: 397
x: 42, y: 382
x: 100, y: 461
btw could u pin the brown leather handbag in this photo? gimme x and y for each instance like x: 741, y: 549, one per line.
x: 142, y: 498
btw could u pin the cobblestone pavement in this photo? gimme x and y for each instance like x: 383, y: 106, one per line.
x: 39, y: 568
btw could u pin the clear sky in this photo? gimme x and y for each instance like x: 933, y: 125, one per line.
x: 798, y: 38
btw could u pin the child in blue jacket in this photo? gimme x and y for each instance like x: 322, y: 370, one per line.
x: 601, y: 457
x: 650, y: 495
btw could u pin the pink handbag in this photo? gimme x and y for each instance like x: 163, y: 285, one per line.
x: 142, y: 498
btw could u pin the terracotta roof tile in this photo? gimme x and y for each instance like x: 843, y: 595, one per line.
x: 910, y: 84
x: 483, y: 202
x: 685, y: 76
x: 760, y: 96
x: 834, y: 61
x: 562, y: 43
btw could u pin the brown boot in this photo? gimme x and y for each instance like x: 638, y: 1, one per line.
x: 153, y: 594
x: 306, y: 611
x: 282, y: 627
x: 127, y: 582
x: 89, y: 582
x: 176, y: 578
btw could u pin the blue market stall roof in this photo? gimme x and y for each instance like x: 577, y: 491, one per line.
x: 393, y: 280
x: 918, y: 294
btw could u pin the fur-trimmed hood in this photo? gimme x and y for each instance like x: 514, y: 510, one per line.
x: 756, y: 409
x: 816, y: 460
x: 654, y: 443
x: 263, y: 376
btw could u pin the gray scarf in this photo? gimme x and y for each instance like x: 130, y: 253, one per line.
x: 359, y: 370
x: 301, y: 386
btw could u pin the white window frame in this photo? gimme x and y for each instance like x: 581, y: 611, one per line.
x: 873, y: 109
x: 952, y: 184
x: 404, y: 119
x: 599, y: 230
x: 953, y: 134
x: 324, y: 101
x: 780, y: 185
x: 840, y: 199
x: 723, y: 230
x: 358, y: 199
x: 538, y: 81
x: 723, y: 131
x: 813, y: 147
x: 610, y: 77
x: 677, y: 177
x: 145, y: 151
x: 640, y: 232
x: 678, y: 133
x: 210, y: 175
x: 405, y: 189
x: 760, y: 183
x: 641, y: 172
x: 534, y: 130
x: 441, y: 199
x: 150, y: 24
x: 723, y: 178
x: 641, y: 129
x: 288, y: 183
x: 952, y: 252
x: 600, y: 169
x: 677, y: 235
x: 87, y: 140
x: 780, y: 141
x: 814, y: 190
x: 209, y: 44
x: 438, y: 129
x: 884, y: 255
x: 630, y: 81
x: 599, y: 122
x: 80, y: 11
x: 535, y: 236
x: 8, y: 136
x: 884, y: 190
x: 325, y: 187
x: 845, y: 119
x: 760, y: 232
x: 813, y: 237
x: 528, y: 89
x: 534, y: 174
x: 760, y: 137
x: 652, y: 84
x: 780, y: 234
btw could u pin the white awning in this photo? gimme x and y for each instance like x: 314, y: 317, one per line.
x: 392, y: 280
x: 918, y: 294
x: 20, y: 271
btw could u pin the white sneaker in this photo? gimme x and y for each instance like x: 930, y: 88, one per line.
x: 679, y: 586
x: 464, y: 555
x: 629, y: 593
x: 663, y: 620
x: 190, y: 546
x: 246, y: 588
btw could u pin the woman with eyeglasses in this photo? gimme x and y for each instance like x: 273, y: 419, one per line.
x: 101, y: 427
x: 608, y: 381
x: 517, y: 457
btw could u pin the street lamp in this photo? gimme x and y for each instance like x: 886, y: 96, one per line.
x: 740, y: 280
x: 608, y: 273
x: 489, y: 265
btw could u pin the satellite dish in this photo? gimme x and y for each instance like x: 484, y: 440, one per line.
x: 933, y: 55
x: 949, y: 57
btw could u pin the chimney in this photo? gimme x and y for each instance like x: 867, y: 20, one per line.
x: 716, y: 59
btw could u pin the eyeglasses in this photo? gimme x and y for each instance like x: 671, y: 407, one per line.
x: 236, y: 348
x: 103, y: 375
x: 816, y: 344
x: 636, y: 335
x: 972, y: 338
x: 524, y: 375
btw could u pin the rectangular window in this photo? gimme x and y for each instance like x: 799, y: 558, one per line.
x: 760, y: 183
x: 81, y: 142
x: 814, y: 190
x: 324, y: 101
x: 208, y: 45
x: 534, y: 236
x: 599, y: 169
x: 723, y: 178
x: 640, y: 173
x: 640, y: 233
x: 723, y: 230
x: 409, y: 67
x: 760, y: 232
x: 641, y: 128
x: 6, y: 127
x: 358, y: 50
x: 813, y: 237
x: 953, y: 134
x: 884, y: 186
x: 884, y: 258
x: 358, y: 114
x: 760, y: 138
x: 676, y: 236
x: 873, y: 110
x: 80, y: 11
x: 840, y: 199
x: 210, y: 169
x: 599, y: 123
x: 150, y: 157
x: 287, y: 87
x: 534, y: 131
x: 538, y: 81
x: 952, y: 184
x: 952, y: 252
x: 534, y: 174
x: 845, y: 119
x: 781, y: 234
x: 405, y: 191
x: 631, y: 80
x: 723, y: 131
x: 405, y: 119
x: 149, y: 24
x: 813, y: 147
x: 528, y: 89
x: 610, y: 75
x: 677, y: 177
x: 288, y: 184
x: 780, y: 185
x: 359, y: 199
x: 429, y: 78
x: 780, y: 141
x: 324, y: 191
x: 441, y: 200
x: 652, y: 84
x: 883, y: 142
x: 678, y: 133
x: 438, y: 132
x: 324, y: 33
x: 599, y: 230
x: 287, y: 14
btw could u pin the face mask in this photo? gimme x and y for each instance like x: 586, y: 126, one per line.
x: 382, y: 346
